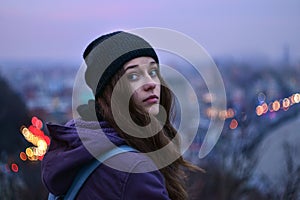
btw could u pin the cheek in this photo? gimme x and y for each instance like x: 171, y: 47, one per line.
x: 135, y: 90
x: 136, y: 96
x: 133, y: 87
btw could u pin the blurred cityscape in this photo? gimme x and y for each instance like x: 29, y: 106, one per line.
x: 261, y: 99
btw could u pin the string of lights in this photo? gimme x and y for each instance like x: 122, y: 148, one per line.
x: 277, y: 105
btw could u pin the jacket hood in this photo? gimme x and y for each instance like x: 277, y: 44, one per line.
x: 73, y: 145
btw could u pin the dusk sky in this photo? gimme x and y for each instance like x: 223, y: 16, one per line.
x: 60, y: 30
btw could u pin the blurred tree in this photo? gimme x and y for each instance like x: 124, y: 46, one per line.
x: 25, y: 183
x: 13, y: 114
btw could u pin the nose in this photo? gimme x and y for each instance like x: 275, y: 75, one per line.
x: 149, y: 86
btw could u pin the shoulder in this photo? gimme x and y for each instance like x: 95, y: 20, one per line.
x: 146, y: 186
x: 131, y: 162
x: 125, y: 176
x: 142, y: 180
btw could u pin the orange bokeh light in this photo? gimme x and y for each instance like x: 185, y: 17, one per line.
x: 265, y: 107
x: 23, y: 156
x: 259, y: 110
x: 230, y: 113
x: 276, y: 105
x: 233, y: 124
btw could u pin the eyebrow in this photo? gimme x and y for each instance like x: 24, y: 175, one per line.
x: 133, y: 66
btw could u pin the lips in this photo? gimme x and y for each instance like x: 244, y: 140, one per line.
x: 151, y: 99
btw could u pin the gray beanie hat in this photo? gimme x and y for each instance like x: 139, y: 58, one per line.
x: 106, y: 55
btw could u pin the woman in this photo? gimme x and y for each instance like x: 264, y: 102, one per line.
x: 133, y: 106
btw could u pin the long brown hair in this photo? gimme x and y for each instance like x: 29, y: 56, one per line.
x: 173, y: 173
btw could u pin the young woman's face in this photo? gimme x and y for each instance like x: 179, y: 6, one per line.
x: 142, y: 76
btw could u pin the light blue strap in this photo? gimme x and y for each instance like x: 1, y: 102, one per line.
x: 53, y: 197
x: 84, y: 173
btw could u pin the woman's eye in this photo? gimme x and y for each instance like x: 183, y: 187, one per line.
x: 153, y: 73
x: 132, y: 77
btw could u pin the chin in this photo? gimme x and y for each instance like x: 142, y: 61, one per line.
x: 154, y: 110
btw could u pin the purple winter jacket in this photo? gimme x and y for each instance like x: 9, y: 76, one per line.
x: 68, y: 153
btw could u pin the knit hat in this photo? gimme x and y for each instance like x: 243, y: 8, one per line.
x: 106, y: 55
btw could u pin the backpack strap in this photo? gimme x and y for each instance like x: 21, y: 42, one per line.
x: 86, y: 171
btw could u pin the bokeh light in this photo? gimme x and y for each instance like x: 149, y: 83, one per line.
x: 277, y: 105
x: 259, y: 110
x: 297, y: 98
x: 221, y: 114
x: 35, y: 136
x: 233, y: 124
x: 23, y: 156
x: 14, y: 167
x: 261, y: 97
